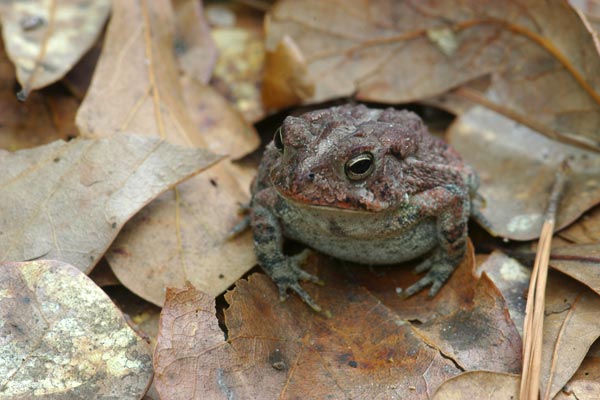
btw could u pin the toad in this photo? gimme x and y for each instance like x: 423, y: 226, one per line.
x: 364, y: 185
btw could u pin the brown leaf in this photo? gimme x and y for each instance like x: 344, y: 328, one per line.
x: 516, y: 177
x: 479, y: 385
x: 44, y: 39
x: 366, y: 349
x: 296, y: 354
x: 45, y: 117
x: 64, y: 338
x: 194, y: 45
x: 540, y: 56
x: 465, y: 319
x: 85, y: 190
x: 181, y: 236
x: 238, y: 34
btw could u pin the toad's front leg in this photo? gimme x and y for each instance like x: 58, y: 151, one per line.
x: 450, y: 206
x: 268, y: 245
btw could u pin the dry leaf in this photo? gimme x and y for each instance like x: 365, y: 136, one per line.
x: 298, y: 354
x: 45, y: 38
x: 571, y: 326
x: 512, y: 279
x: 585, y: 384
x: 62, y: 337
x: 45, y: 117
x: 581, y: 262
x: 517, y: 175
x: 571, y: 323
x: 543, y: 63
x: 585, y: 230
x: 182, y: 235
x: 238, y: 33
x: 85, y: 190
x: 479, y: 385
x: 366, y: 349
x: 223, y: 127
x: 194, y: 46
x: 135, y: 87
x: 589, y: 12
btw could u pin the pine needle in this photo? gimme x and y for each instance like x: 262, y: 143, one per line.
x: 534, y: 312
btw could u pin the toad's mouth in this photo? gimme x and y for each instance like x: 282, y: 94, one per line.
x: 348, y: 205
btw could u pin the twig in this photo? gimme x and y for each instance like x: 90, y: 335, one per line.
x: 534, y: 313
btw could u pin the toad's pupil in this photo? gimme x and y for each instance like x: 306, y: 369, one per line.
x: 360, y: 167
x: 278, y: 139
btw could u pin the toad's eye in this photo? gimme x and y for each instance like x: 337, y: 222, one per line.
x: 360, y: 166
x: 278, y: 139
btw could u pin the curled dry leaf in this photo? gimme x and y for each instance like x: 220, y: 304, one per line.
x: 62, y: 337
x: 541, y: 57
x: 45, y: 117
x: 516, y: 178
x: 479, y: 385
x: 85, y: 190
x: 181, y: 236
x: 45, y: 38
x: 365, y: 349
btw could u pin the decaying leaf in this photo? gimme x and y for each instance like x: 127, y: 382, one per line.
x: 365, y: 349
x: 85, y: 190
x: 62, y: 337
x: 516, y: 177
x: 43, y: 118
x: 45, y: 38
x: 541, y: 58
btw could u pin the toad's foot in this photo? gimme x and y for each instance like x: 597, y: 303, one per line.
x: 287, y: 274
x: 439, y: 270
